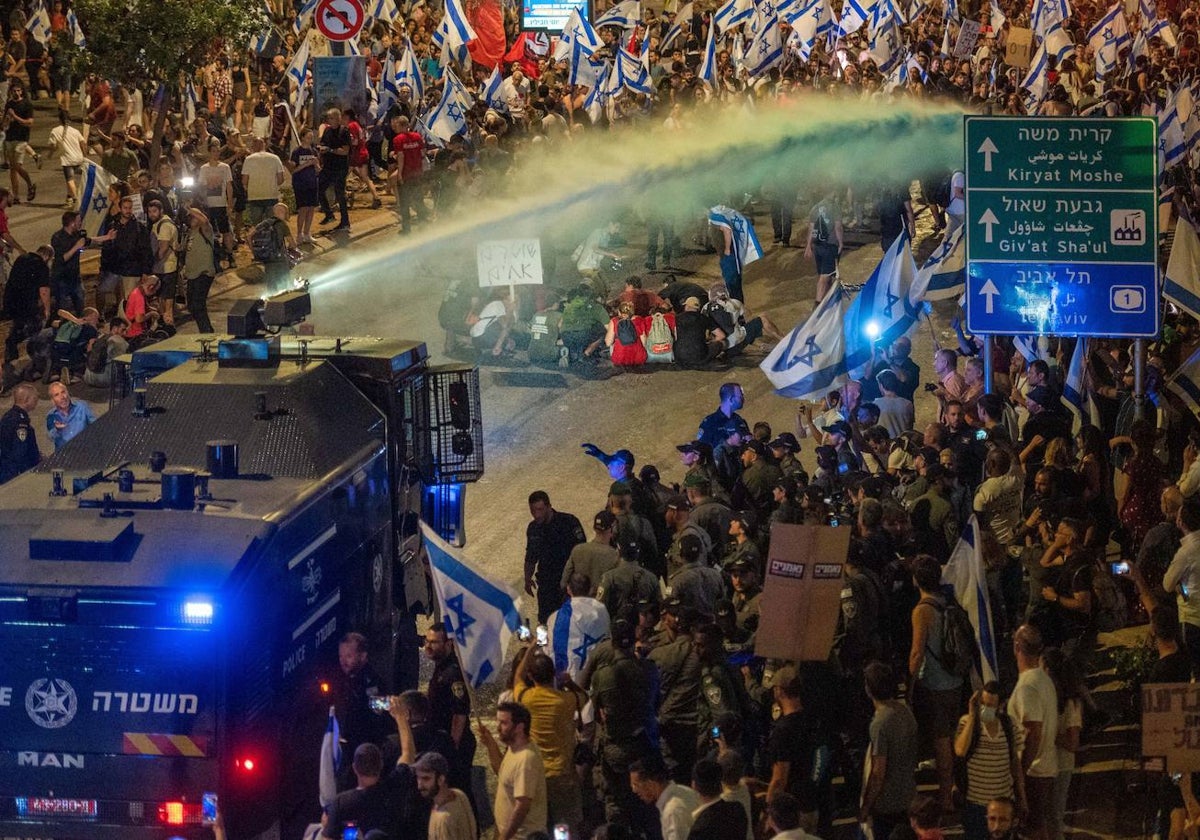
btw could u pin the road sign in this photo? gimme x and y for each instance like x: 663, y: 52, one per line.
x: 1061, y: 226
x: 339, y: 20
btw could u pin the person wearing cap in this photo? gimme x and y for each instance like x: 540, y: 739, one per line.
x: 698, y: 458
x: 628, y: 582
x: 743, y: 545
x: 918, y: 485
x: 708, y: 513
x: 755, y: 487
x: 679, y: 691
x: 698, y: 339
x: 697, y: 585
x: 549, y: 540
x: 784, y: 449
x: 716, y: 427
x: 858, y: 638
x: 679, y: 523
x: 787, y: 507
x: 747, y: 595
x: 727, y: 458
x: 941, y: 513
x: 620, y: 468
x: 839, y: 434
x: 450, y: 816
x: 633, y: 526
x: 722, y: 689
x: 623, y: 696
x: 596, y: 556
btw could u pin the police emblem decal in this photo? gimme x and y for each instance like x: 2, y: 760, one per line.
x: 51, y: 703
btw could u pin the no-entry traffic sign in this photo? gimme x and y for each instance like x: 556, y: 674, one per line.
x: 1061, y: 226
x: 339, y: 20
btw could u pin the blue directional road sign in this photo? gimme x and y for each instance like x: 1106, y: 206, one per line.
x: 1061, y: 226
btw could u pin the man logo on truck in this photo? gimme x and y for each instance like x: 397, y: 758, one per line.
x: 51, y: 703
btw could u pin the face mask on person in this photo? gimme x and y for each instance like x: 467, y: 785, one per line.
x: 987, y: 714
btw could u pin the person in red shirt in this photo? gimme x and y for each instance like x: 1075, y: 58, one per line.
x: 359, y: 155
x: 138, y: 312
x: 408, y: 152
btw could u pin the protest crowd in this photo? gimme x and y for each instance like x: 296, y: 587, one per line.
x: 637, y: 707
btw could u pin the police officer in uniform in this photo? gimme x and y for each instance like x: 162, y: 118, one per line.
x: 755, y: 487
x: 716, y: 428
x: 697, y: 456
x: 708, y: 513
x: 450, y: 707
x: 747, y: 595
x: 359, y: 682
x: 857, y: 639
x: 743, y: 531
x: 18, y: 442
x: 549, y: 539
x: 784, y: 449
x: 623, y: 587
x: 679, y: 691
x: 787, y: 508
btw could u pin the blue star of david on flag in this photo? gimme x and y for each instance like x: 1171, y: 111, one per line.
x: 586, y: 645
x: 479, y: 614
x: 577, y: 627
x: 811, y: 351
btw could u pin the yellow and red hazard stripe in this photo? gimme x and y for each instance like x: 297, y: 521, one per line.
x: 145, y: 743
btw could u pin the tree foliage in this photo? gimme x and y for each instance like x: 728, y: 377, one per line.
x: 143, y: 41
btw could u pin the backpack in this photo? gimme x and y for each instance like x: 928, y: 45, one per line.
x: 660, y: 342
x: 68, y: 333
x: 265, y: 242
x: 626, y: 331
x: 1112, y: 610
x: 959, y: 650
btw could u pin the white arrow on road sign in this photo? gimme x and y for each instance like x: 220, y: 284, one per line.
x: 989, y: 291
x: 987, y: 148
x: 988, y: 219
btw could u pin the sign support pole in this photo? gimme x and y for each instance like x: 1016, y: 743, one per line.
x: 1139, y: 379
x: 988, y: 373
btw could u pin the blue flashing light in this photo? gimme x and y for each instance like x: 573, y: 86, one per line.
x: 198, y: 611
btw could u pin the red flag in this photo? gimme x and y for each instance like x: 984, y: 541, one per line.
x: 488, y: 22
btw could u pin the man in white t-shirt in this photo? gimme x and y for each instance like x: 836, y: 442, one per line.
x: 262, y: 175
x: 1033, y: 708
x: 451, y: 817
x: 520, y: 807
x: 215, y: 183
x: 67, y: 143
x: 491, y: 330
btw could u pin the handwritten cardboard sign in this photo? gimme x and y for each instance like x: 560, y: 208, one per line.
x: 509, y: 262
x: 1171, y: 725
x: 1020, y: 47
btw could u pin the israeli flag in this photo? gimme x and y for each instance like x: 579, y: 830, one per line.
x: 384, y: 10
x: 809, y: 22
x: 459, y: 31
x: 1077, y: 394
x: 480, y: 615
x: 1107, y: 38
x: 811, y: 359
x: 625, y: 14
x: 644, y: 52
x: 352, y: 47
x: 746, y: 247
x: 578, y: 30
x: 583, y: 71
x: 885, y: 309
x: 1181, y: 283
x: 997, y: 17
x: 389, y: 92
x: 944, y: 274
x: 682, y: 19
x: 574, y: 630
x: 489, y: 94
x: 765, y: 49
x: 1161, y: 29
x: 731, y: 14
x: 597, y: 98
x: 408, y: 72
x: 887, y: 46
x: 1058, y: 43
x: 1036, y: 81
x: 708, y: 67
x: 191, y: 103
x: 38, y: 25
x: 631, y: 74
x: 966, y: 575
x: 258, y: 43
x: 1032, y: 347
x: 76, y: 30
x: 422, y: 129
x: 93, y: 198
x: 1185, y: 382
x: 449, y: 116
x: 854, y: 15
x: 304, y: 15
x: 331, y: 760
x: 1172, y: 145
x: 297, y: 70
x: 1046, y: 13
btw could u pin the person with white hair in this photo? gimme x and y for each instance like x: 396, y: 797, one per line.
x: 730, y: 315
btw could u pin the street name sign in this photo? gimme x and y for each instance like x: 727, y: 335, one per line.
x: 1061, y: 226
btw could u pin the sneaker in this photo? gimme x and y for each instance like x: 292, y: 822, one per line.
x: 32, y: 193
x: 342, y: 228
x: 37, y: 159
x: 328, y: 218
